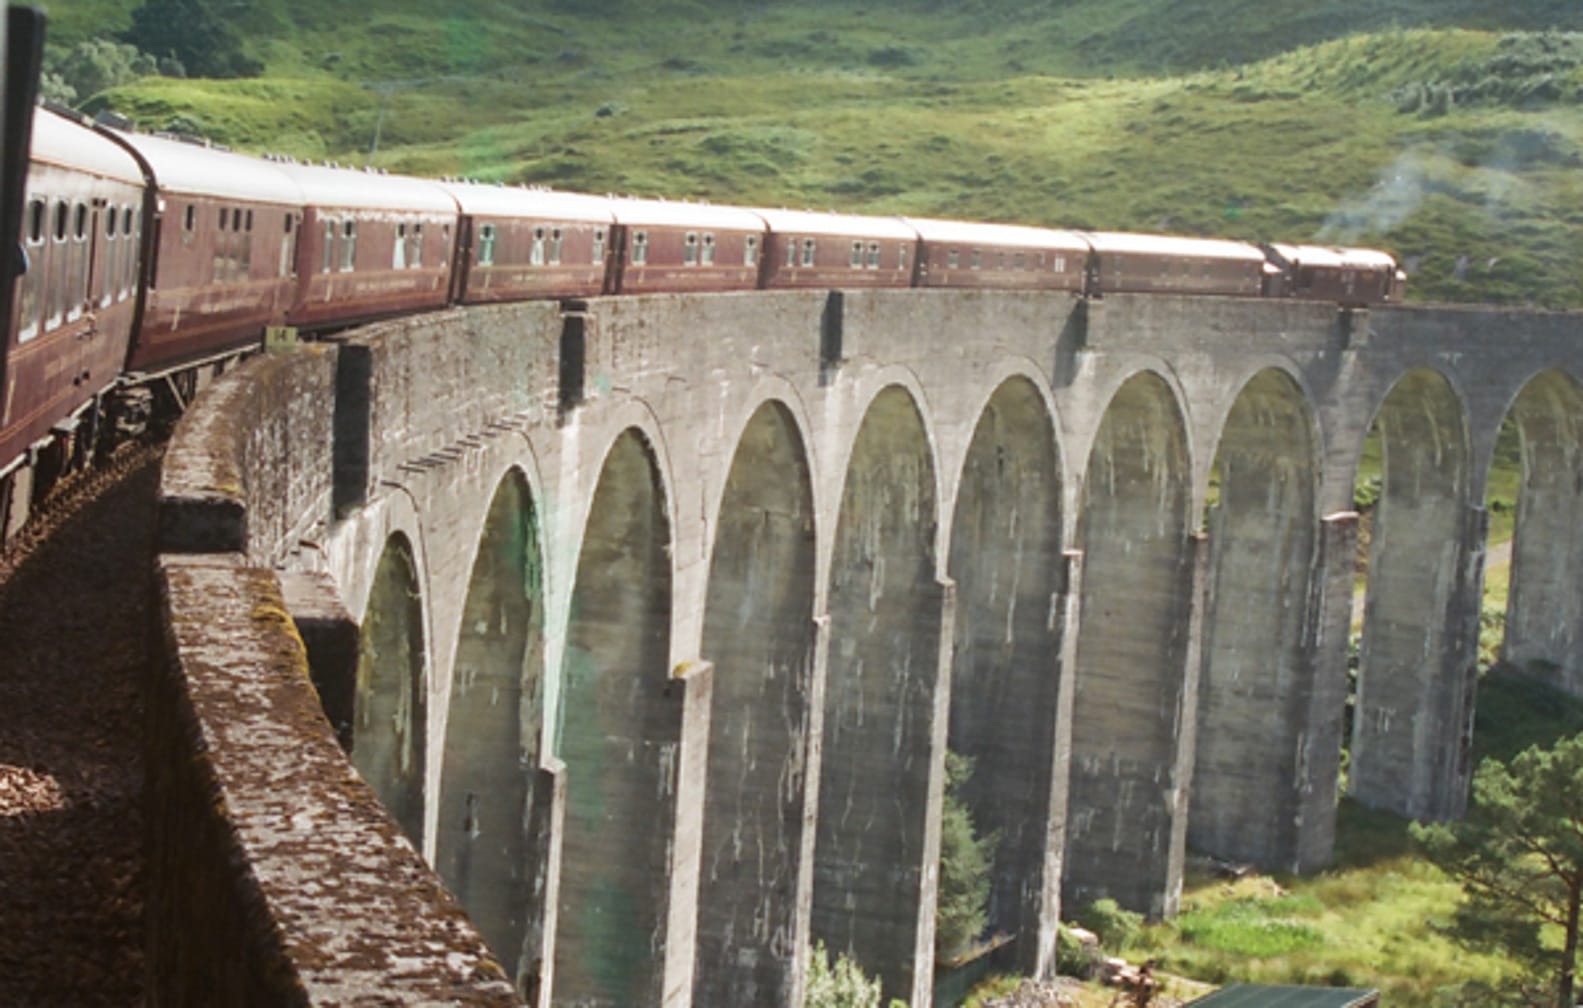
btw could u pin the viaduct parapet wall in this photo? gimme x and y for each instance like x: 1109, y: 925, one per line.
x: 650, y: 621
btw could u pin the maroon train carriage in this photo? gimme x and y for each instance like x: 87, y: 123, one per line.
x: 221, y: 262
x: 829, y: 251
x: 519, y: 243
x: 371, y: 245
x: 667, y: 246
x: 1349, y: 276
x: 1138, y: 263
x: 967, y: 254
x: 72, y: 317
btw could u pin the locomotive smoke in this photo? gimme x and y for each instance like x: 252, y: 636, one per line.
x: 1391, y: 200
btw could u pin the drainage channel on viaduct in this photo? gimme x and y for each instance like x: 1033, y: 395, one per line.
x: 650, y: 621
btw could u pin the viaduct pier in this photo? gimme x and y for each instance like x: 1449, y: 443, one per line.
x: 649, y: 623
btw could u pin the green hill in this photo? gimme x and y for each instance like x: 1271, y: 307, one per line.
x: 1449, y: 131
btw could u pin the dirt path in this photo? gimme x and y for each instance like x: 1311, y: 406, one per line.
x: 74, y: 617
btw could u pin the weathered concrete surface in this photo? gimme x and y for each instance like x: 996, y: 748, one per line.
x: 658, y: 571
x: 276, y: 876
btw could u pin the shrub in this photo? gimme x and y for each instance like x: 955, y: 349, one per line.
x: 961, y: 908
x: 1115, y: 927
x: 841, y: 984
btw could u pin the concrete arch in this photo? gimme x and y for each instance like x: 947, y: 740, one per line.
x: 1008, y: 680
x: 883, y: 732
x: 759, y: 635
x: 487, y: 836
x: 1257, y: 678
x: 620, y: 735
x: 1544, y: 607
x: 1131, y: 756
x: 390, y: 713
x: 1412, y: 719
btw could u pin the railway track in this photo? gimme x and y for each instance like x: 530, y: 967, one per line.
x: 75, y: 611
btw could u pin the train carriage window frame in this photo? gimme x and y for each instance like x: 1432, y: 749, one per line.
x: 690, y: 249
x: 31, y: 321
x: 80, y: 276
x: 557, y: 243
x: 110, y: 265
x: 598, y: 254
x: 953, y: 259
x: 288, y: 260
x: 536, y: 252
x: 398, y: 251
x: 901, y: 256
x: 640, y: 248
x: 486, y: 244
x: 750, y: 250
x: 189, y: 221
x: 977, y: 259
x: 873, y: 255
x: 791, y: 252
x: 415, y: 249
x: 349, y: 245
x: 131, y: 233
x: 708, y: 253
x: 810, y: 251
x: 857, y: 254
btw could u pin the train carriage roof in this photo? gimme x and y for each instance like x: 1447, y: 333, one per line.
x: 357, y: 189
x: 674, y: 213
x: 1109, y: 242
x: 1333, y: 256
x: 1013, y: 235
x: 812, y: 222
x: 196, y: 170
x: 480, y: 200
x: 59, y: 141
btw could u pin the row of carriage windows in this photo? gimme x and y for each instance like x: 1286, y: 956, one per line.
x: 233, y: 246
x: 80, y: 256
x: 1016, y: 260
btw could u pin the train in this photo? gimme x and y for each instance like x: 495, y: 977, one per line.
x: 150, y: 260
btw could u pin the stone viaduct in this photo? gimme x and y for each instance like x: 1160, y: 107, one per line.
x: 650, y: 622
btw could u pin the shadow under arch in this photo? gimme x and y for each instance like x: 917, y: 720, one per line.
x: 1130, y: 757
x: 1412, y: 720
x: 759, y: 635
x: 620, y: 728
x: 390, y: 713
x: 1007, y: 677
x: 488, y: 841
x: 1544, y: 605
x: 1251, y: 781
x: 880, y: 767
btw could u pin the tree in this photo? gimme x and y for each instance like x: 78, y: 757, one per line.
x: 961, y: 904
x: 94, y: 65
x: 191, y: 32
x: 838, y: 985
x: 1519, y: 857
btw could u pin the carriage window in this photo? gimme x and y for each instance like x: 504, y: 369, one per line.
x: 599, y: 245
x: 1019, y: 261
x: 223, y: 218
x: 808, y: 248
x: 709, y: 250
x: 398, y: 254
x: 247, y: 222
x: 1060, y: 264
x: 954, y: 259
x: 62, y: 215
x: 189, y: 220
x: 236, y: 219
x: 328, y: 252
x: 750, y: 251
x: 1000, y: 260
x: 536, y: 258
x: 111, y: 259
x: 486, y: 245
x: 556, y: 241
x: 690, y: 249
x: 348, y: 245
x: 131, y: 231
x: 31, y: 281
x: 978, y: 258
x: 415, y: 249
x: 857, y: 255
x: 286, y: 225
x: 109, y: 222
x: 873, y: 255
x: 791, y: 252
x: 901, y: 257
x: 640, y: 248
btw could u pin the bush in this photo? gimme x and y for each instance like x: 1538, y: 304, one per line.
x: 1115, y: 927
x: 961, y: 907
x: 1072, y: 957
x: 838, y: 985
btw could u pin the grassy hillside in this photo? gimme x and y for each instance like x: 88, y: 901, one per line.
x: 1447, y: 131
